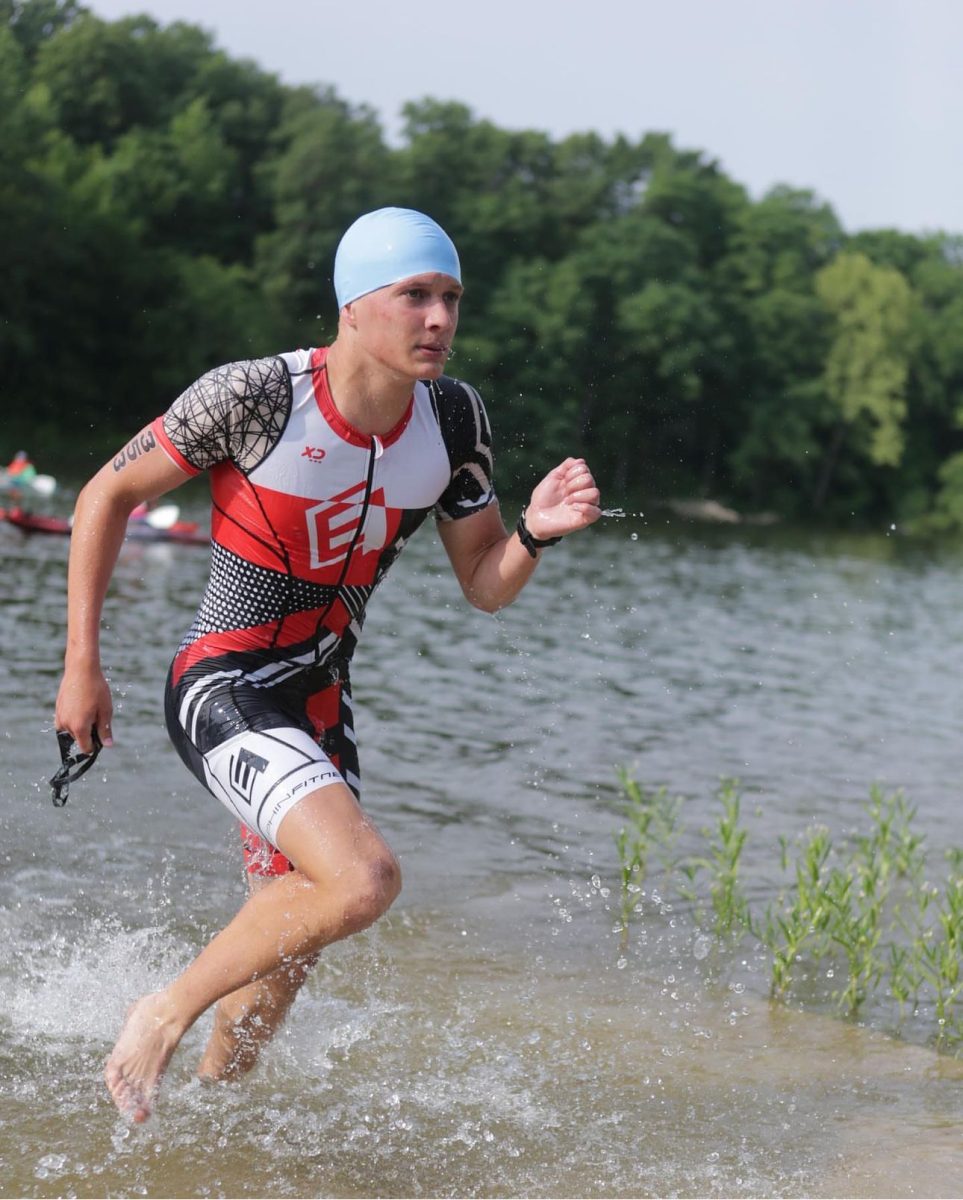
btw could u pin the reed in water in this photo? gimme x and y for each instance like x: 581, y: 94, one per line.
x: 859, y: 910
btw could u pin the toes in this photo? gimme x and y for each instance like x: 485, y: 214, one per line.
x: 127, y: 1095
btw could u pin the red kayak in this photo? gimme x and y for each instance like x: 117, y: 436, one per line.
x: 186, y: 532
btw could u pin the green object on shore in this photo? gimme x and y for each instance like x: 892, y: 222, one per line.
x: 858, y: 911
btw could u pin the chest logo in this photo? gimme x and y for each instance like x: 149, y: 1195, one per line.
x: 333, y: 526
x: 314, y: 453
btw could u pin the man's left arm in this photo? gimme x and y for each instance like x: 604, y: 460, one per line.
x: 493, y: 565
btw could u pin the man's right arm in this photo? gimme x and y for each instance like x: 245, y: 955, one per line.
x: 141, y: 471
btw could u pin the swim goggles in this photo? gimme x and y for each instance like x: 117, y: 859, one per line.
x: 72, y: 765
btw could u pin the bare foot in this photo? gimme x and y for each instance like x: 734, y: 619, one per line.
x: 140, y: 1057
x: 230, y: 1052
x: 246, y: 1020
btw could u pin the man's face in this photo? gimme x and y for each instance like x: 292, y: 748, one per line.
x: 408, y: 327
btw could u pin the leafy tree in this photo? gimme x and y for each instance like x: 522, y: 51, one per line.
x: 99, y: 77
x: 32, y: 22
x: 692, y: 195
x: 892, y: 248
x: 330, y: 165
x: 781, y: 417
x: 172, y: 185
x: 936, y: 433
x: 166, y: 207
x: 16, y: 128
x: 594, y: 180
x: 781, y: 241
x: 776, y: 456
x: 246, y: 107
x: 868, y: 362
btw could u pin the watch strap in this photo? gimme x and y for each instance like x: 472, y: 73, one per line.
x: 532, y: 544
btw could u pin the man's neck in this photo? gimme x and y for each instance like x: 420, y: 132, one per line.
x: 371, y: 399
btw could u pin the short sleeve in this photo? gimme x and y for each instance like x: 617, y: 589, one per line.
x: 467, y: 435
x: 236, y: 413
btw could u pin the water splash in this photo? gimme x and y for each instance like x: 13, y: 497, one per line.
x: 619, y: 513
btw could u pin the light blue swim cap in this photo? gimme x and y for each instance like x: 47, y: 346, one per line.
x: 388, y: 245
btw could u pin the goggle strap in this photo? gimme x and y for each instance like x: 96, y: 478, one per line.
x: 80, y: 764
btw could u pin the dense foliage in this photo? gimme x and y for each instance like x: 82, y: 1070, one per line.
x: 166, y: 208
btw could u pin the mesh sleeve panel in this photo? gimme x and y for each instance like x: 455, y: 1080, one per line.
x: 468, y: 438
x: 236, y: 412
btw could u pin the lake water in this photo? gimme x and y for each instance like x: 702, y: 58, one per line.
x: 488, y: 1037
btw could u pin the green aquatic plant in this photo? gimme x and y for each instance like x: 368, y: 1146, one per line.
x: 865, y: 897
x: 725, y: 890
x: 799, y: 917
x: 855, y: 927
x: 938, y: 961
x: 651, y: 824
x: 721, y: 866
x: 859, y: 911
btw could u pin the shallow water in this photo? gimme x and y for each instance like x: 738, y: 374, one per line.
x: 487, y: 1038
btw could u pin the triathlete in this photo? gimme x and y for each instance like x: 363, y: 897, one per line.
x: 322, y: 464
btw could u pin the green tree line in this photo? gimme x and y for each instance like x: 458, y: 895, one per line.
x: 165, y: 208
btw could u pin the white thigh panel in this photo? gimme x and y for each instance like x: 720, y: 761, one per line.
x: 260, y: 776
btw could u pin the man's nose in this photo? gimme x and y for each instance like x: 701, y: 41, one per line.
x: 439, y: 315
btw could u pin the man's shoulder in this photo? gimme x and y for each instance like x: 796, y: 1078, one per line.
x: 450, y: 392
x: 302, y: 361
x: 460, y: 414
x: 245, y: 373
x: 241, y: 380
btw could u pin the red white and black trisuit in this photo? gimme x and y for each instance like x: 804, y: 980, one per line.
x: 308, y: 515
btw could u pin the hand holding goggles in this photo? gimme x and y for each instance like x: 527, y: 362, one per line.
x: 72, y: 766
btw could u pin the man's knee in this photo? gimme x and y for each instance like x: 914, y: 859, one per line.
x: 368, y: 890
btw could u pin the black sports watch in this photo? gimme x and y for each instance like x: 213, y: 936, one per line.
x: 532, y: 544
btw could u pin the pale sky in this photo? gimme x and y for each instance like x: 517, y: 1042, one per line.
x: 859, y: 100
